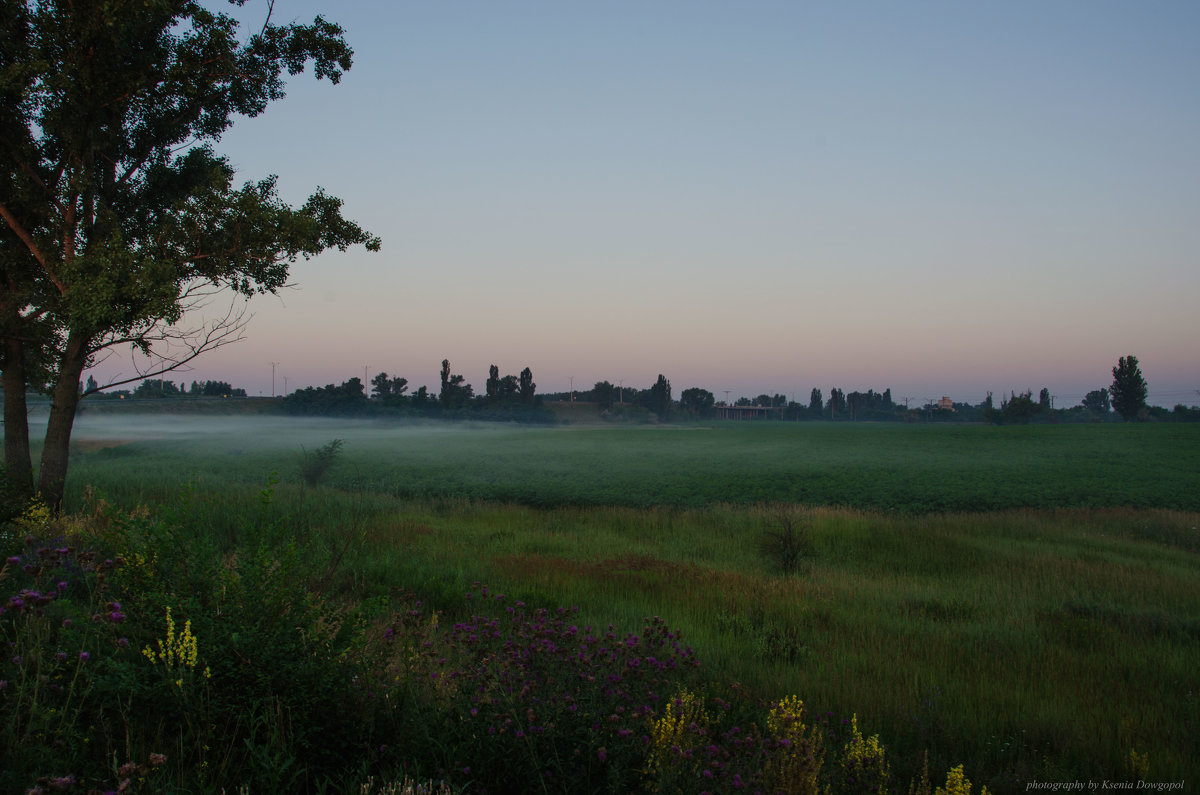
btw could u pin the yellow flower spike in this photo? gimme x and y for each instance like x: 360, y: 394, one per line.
x: 176, y: 651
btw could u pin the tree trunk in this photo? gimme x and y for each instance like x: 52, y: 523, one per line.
x: 56, y: 452
x: 18, y: 466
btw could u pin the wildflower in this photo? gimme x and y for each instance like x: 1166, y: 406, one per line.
x: 14, y: 561
x: 116, y: 617
x: 84, y: 656
x: 158, y: 759
x: 602, y: 754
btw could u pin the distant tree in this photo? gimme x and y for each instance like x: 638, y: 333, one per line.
x: 91, y: 387
x: 1018, y: 408
x: 1097, y: 401
x: 353, y: 388
x: 510, y: 388
x: 604, y: 393
x: 220, y: 389
x: 156, y: 388
x: 381, y: 386
x: 697, y: 402
x: 815, y: 402
x: 763, y: 400
x: 888, y: 405
x: 455, y: 393
x: 1128, y: 388
x: 1044, y: 400
x: 492, y: 388
x: 526, y: 387
x: 659, y: 397
x: 837, y: 402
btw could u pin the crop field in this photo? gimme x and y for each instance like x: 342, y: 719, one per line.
x: 1024, y: 601
x: 893, y: 468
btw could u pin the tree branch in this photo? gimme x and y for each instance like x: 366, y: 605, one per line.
x: 182, y: 345
x: 32, y: 245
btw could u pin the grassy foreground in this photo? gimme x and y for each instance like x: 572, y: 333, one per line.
x: 1028, y: 643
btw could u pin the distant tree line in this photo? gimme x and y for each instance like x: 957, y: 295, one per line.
x: 1124, y: 399
x: 511, y: 398
x: 514, y: 398
x: 160, y: 388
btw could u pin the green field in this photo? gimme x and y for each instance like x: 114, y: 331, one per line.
x: 892, y: 468
x: 1021, y: 600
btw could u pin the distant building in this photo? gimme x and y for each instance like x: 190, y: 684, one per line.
x: 945, y: 404
x: 725, y: 412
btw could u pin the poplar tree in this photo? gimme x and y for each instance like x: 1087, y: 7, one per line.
x: 1128, y: 388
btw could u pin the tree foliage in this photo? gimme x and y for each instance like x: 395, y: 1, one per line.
x: 697, y: 402
x: 1128, y: 388
x: 658, y: 397
x: 1097, y: 401
x: 120, y: 220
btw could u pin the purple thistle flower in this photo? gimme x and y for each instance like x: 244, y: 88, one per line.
x: 84, y: 656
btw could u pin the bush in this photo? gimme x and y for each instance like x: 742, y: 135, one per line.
x: 315, y: 464
x: 785, y: 546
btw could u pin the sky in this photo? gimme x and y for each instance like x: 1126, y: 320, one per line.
x: 940, y: 198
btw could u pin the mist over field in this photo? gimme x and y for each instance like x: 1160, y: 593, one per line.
x: 894, y: 467
x: 263, y: 432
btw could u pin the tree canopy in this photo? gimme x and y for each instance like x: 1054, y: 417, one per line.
x: 119, y: 218
x: 1128, y: 388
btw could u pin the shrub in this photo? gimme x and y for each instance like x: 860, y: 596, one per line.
x: 785, y: 546
x: 315, y: 464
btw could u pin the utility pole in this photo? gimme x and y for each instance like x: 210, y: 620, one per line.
x: 572, y: 389
x: 273, y: 378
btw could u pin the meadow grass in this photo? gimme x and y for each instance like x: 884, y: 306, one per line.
x: 1045, y: 633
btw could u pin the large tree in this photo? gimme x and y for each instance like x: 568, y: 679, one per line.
x: 697, y: 402
x: 1128, y: 388
x: 119, y: 219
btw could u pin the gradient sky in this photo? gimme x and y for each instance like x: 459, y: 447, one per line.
x: 941, y: 198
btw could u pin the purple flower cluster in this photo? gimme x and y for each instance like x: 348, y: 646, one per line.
x: 534, y: 685
x: 527, y: 694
